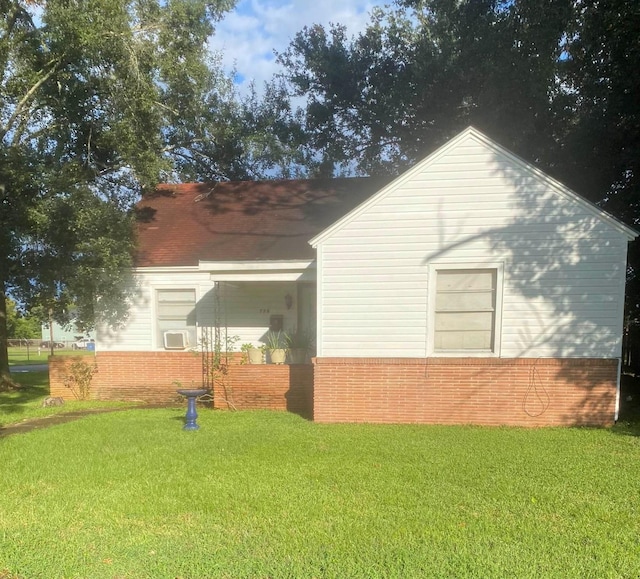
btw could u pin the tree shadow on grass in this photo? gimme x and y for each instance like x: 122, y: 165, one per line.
x: 18, y: 397
x: 14, y: 402
x: 629, y: 419
x: 34, y: 386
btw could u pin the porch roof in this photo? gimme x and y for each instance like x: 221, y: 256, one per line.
x: 242, y: 221
x: 281, y: 270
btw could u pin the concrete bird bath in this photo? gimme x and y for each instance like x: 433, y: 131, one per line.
x: 191, y: 395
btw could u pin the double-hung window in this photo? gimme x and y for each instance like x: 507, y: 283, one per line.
x: 465, y: 310
x: 175, y: 317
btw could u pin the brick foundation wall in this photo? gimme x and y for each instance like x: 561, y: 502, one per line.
x: 490, y: 391
x: 149, y: 377
x: 522, y: 392
x: 270, y: 386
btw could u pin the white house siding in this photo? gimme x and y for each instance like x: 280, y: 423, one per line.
x: 138, y: 332
x: 244, y: 309
x: 564, y: 265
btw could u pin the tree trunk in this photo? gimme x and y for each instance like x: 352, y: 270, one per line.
x: 5, y: 374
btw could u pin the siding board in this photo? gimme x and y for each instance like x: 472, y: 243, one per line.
x: 563, y: 264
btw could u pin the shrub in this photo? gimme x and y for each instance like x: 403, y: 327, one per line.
x: 80, y: 377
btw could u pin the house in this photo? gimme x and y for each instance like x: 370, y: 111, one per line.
x: 65, y: 335
x: 471, y: 289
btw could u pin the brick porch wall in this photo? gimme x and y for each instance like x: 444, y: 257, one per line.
x: 149, y: 377
x: 269, y: 386
x: 519, y: 392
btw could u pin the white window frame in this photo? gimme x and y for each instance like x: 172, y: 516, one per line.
x: 158, y: 343
x: 433, y: 270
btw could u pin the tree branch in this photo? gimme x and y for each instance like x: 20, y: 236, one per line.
x: 27, y: 97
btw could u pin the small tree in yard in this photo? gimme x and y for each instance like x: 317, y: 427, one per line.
x: 79, y: 378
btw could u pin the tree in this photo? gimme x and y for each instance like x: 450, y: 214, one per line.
x: 603, y: 147
x: 250, y: 137
x: 424, y: 70
x: 554, y: 80
x: 602, y: 150
x: 19, y: 325
x: 97, y: 98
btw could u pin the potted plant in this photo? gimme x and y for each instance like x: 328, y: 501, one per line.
x: 276, y: 345
x: 299, y: 344
x: 253, y: 354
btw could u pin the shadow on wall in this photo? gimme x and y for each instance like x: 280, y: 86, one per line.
x: 109, y: 333
x: 563, y: 271
x: 234, y: 308
x: 594, y: 404
x: 299, y: 396
x: 213, y: 310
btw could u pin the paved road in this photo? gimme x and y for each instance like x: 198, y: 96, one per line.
x: 29, y: 368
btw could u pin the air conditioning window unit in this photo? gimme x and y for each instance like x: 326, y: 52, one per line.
x: 176, y: 340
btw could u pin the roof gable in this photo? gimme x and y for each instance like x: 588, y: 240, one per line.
x: 464, y: 136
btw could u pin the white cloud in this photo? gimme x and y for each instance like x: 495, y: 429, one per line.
x: 248, y: 36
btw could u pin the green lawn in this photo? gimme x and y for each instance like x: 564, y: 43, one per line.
x: 19, y: 356
x: 25, y: 403
x: 265, y: 494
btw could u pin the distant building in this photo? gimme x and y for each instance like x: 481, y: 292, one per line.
x: 67, y: 334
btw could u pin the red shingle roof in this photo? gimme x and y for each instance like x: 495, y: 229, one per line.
x: 242, y: 221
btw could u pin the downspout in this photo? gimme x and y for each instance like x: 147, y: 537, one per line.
x: 618, y: 380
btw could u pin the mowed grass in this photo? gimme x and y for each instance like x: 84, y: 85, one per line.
x: 265, y: 494
x: 19, y: 356
x: 24, y: 356
x: 25, y: 403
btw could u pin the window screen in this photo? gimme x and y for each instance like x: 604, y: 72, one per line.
x: 175, y: 310
x: 465, y: 310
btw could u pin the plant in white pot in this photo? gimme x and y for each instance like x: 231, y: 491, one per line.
x: 253, y: 354
x: 276, y: 346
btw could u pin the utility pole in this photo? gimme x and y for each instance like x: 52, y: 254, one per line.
x: 51, y: 330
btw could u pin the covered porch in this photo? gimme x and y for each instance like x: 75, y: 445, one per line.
x: 249, y: 302
x: 233, y: 304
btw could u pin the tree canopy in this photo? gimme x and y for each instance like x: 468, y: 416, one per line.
x: 20, y: 325
x: 553, y: 80
x: 99, y: 99
x: 423, y: 71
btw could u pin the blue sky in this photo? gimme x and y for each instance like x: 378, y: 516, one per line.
x: 248, y: 35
